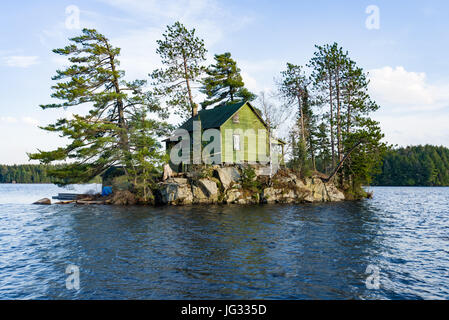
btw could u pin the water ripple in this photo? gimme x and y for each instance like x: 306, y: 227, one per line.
x: 315, y: 251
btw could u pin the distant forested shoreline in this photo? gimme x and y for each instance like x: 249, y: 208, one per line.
x: 410, y: 166
x: 28, y: 173
x: 415, y: 166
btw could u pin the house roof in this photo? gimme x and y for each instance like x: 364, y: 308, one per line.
x: 216, y: 117
x: 213, y: 118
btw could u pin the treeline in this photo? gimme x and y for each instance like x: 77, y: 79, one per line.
x: 33, y: 173
x: 26, y: 173
x: 415, y: 166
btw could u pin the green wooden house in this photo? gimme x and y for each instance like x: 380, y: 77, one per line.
x: 234, y: 122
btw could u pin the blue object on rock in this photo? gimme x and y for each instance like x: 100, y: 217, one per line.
x: 106, y: 191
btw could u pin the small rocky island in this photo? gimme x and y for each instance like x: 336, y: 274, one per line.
x: 243, y: 185
x: 237, y: 184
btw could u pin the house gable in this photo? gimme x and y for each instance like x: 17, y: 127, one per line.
x: 244, y: 120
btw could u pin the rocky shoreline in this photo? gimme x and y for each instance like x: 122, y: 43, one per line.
x: 225, y: 185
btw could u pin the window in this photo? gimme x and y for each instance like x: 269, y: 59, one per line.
x: 235, y: 118
x: 236, y: 142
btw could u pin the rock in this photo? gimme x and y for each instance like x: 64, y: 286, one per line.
x: 120, y: 198
x: 271, y: 195
x: 263, y: 170
x: 178, y: 180
x: 198, y: 196
x: 299, y: 183
x: 280, y: 195
x: 249, y: 199
x: 232, y: 196
x: 317, y: 190
x: 168, y: 172
x: 44, y: 201
x: 209, y: 187
x: 334, y: 194
x: 224, y: 177
x: 321, y: 192
x: 286, y: 187
x: 174, y: 193
x: 227, y: 176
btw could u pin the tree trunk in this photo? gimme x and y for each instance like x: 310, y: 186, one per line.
x: 340, y: 164
x: 331, y: 120
x: 312, y: 151
x: 186, y: 75
x: 339, y: 139
x: 348, y: 125
x: 301, y: 115
x: 120, y: 108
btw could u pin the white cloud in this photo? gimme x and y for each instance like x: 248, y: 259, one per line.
x: 210, y: 18
x: 413, y: 110
x: 25, y: 120
x: 262, y: 70
x: 401, y: 90
x: 138, y: 56
x: 414, y: 129
x: 8, y: 119
x: 30, y: 121
x: 20, y: 61
x: 250, y: 83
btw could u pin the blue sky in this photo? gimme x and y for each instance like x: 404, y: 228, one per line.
x: 406, y: 57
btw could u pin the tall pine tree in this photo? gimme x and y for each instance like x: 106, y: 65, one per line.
x: 182, y: 54
x: 223, y: 83
x: 100, y: 138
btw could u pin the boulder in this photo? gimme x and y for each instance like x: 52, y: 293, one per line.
x: 224, y: 177
x: 317, y: 190
x: 168, y: 172
x: 249, y: 199
x: 209, y: 187
x: 280, y: 195
x: 198, y: 196
x: 232, y: 196
x: 178, y: 180
x: 174, y: 193
x: 320, y: 191
x: 271, y: 195
x: 44, y: 201
x: 334, y: 194
x: 227, y: 176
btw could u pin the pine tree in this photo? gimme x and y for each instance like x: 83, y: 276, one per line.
x: 147, y: 153
x: 322, y: 148
x: 182, y: 54
x: 99, y: 139
x: 223, y: 83
x: 293, y: 88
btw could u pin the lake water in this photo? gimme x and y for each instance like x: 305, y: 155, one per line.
x: 313, y: 251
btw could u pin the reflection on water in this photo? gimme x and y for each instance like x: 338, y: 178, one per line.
x: 230, y: 252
